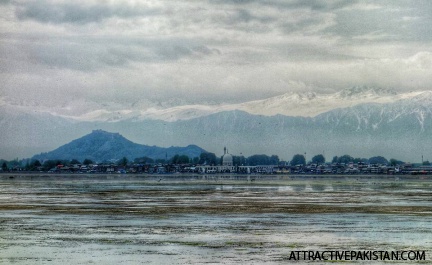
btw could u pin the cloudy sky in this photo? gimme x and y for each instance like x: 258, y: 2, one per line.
x: 75, y: 54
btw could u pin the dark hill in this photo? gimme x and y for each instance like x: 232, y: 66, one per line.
x: 105, y: 146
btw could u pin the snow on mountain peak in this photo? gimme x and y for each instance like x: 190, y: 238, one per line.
x: 300, y: 96
x: 365, y: 91
x: 424, y: 98
x: 305, y: 104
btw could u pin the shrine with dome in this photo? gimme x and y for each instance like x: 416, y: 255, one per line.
x: 227, y: 165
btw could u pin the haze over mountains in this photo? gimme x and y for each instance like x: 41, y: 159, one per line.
x: 360, y: 121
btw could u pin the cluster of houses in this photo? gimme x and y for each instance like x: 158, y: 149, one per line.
x: 360, y: 168
x: 227, y: 166
x: 328, y: 168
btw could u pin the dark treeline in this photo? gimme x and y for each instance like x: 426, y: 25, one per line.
x: 204, y: 159
x: 36, y: 165
x: 299, y: 159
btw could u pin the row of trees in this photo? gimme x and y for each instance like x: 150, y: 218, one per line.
x: 203, y: 159
x: 345, y: 159
x: 32, y: 165
x: 301, y: 160
x: 212, y: 159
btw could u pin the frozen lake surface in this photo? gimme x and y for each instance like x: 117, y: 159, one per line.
x: 178, y: 219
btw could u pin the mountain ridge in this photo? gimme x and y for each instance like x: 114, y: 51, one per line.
x: 305, y: 104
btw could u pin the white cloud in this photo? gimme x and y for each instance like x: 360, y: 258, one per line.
x: 53, y: 52
x: 81, y: 12
x: 421, y: 61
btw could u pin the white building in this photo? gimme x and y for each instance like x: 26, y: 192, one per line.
x: 226, y: 167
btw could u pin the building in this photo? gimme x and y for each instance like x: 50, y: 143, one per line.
x: 227, y: 165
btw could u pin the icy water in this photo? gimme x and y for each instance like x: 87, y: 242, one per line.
x: 177, y: 219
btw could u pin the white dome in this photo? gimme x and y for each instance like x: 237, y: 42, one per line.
x: 227, y: 160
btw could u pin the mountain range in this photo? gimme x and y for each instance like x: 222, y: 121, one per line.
x: 304, y: 104
x: 360, y: 121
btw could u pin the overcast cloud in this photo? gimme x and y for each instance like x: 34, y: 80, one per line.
x: 55, y: 52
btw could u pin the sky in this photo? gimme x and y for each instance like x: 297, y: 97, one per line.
x: 74, y: 56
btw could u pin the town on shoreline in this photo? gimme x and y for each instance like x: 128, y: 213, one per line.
x: 208, y: 163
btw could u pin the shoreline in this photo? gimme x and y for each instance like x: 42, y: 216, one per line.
x: 223, y: 176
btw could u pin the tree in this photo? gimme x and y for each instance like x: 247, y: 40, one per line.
x: 239, y: 160
x: 27, y: 166
x: 255, y: 160
x: 298, y: 160
x: 74, y: 161
x: 174, y: 159
x: 274, y: 160
x: 335, y: 159
x: 144, y: 160
x: 35, y: 165
x: 123, y: 162
x: 358, y: 160
x: 426, y: 163
x: 378, y: 160
x: 4, y: 166
x: 87, y: 162
x: 180, y: 159
x: 208, y: 159
x: 183, y: 159
x: 318, y: 159
x: 14, y: 164
x: 345, y: 159
x: 395, y: 162
x: 49, y: 164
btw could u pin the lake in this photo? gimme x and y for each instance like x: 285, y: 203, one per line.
x: 209, y: 219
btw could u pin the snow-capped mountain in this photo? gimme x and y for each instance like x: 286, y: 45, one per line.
x: 304, y: 104
x: 310, y: 104
x: 414, y: 112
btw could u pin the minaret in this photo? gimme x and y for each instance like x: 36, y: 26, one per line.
x: 225, y: 150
